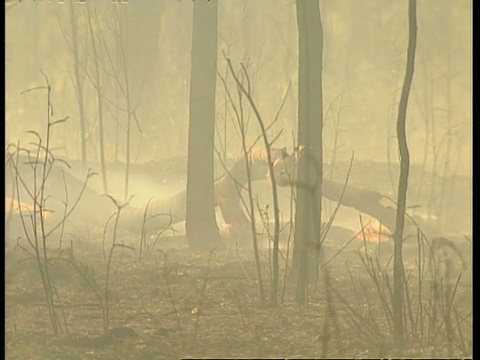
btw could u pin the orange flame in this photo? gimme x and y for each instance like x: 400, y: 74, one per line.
x: 374, y: 234
x: 18, y: 208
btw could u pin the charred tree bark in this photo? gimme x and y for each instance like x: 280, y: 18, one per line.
x: 310, y: 122
x: 201, y: 226
x: 398, y: 278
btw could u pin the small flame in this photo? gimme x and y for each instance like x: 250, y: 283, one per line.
x: 374, y: 234
x: 18, y: 208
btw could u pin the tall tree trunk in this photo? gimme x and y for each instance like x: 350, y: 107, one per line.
x: 201, y: 227
x: 398, y: 279
x: 310, y: 122
x: 98, y: 90
x: 79, y: 88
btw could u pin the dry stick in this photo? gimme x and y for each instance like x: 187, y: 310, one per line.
x: 104, y: 235
x: 73, y: 207
x: 143, y: 241
x: 9, y: 216
x: 237, y: 114
x: 368, y: 265
x: 127, y: 98
x: 419, y: 325
x: 433, y: 181
x: 131, y: 111
x: 360, y: 321
x: 98, y: 87
x: 408, y: 309
x: 38, y: 202
x: 339, y: 202
x: 250, y: 208
x: 21, y: 210
x: 379, y: 289
x: 436, y: 293
x: 65, y: 211
x: 47, y: 281
x: 79, y: 90
x: 109, y: 261
x: 447, y: 312
x: 266, y: 228
x: 150, y: 248
x: 460, y: 332
x: 17, y: 176
x: 92, y: 286
x: 337, y: 131
x: 241, y: 264
x: 18, y: 179
x: 274, y: 290
x: 291, y: 230
x: 43, y: 268
x: 225, y: 118
x: 324, y: 235
x: 363, y: 319
x: 104, y: 97
x: 202, y: 299
x: 360, y: 306
x: 345, y: 245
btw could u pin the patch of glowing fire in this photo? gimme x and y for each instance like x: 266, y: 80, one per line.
x: 16, y: 208
x: 374, y: 232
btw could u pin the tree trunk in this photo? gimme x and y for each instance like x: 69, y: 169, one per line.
x: 201, y: 227
x: 398, y: 278
x: 310, y: 120
x: 79, y: 89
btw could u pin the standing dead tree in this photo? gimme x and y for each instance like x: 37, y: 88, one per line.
x: 200, y: 224
x: 79, y: 88
x: 98, y: 89
x: 310, y: 123
x: 398, y: 278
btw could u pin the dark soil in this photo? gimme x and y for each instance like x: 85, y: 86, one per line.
x: 172, y: 303
x: 176, y: 303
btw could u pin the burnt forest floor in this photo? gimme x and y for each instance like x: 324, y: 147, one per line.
x: 175, y: 303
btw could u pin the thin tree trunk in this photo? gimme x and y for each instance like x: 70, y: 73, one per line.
x: 398, y: 279
x: 101, y: 137
x: 122, y: 44
x: 79, y: 87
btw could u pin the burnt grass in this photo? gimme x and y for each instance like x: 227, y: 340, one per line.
x: 176, y: 303
x: 179, y: 303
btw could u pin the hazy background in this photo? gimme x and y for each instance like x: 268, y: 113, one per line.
x: 364, y: 64
x: 365, y: 48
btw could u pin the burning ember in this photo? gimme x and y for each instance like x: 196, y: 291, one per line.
x: 13, y: 207
x: 374, y: 234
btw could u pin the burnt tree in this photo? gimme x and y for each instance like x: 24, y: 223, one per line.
x: 310, y: 122
x: 201, y: 226
x: 398, y: 271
